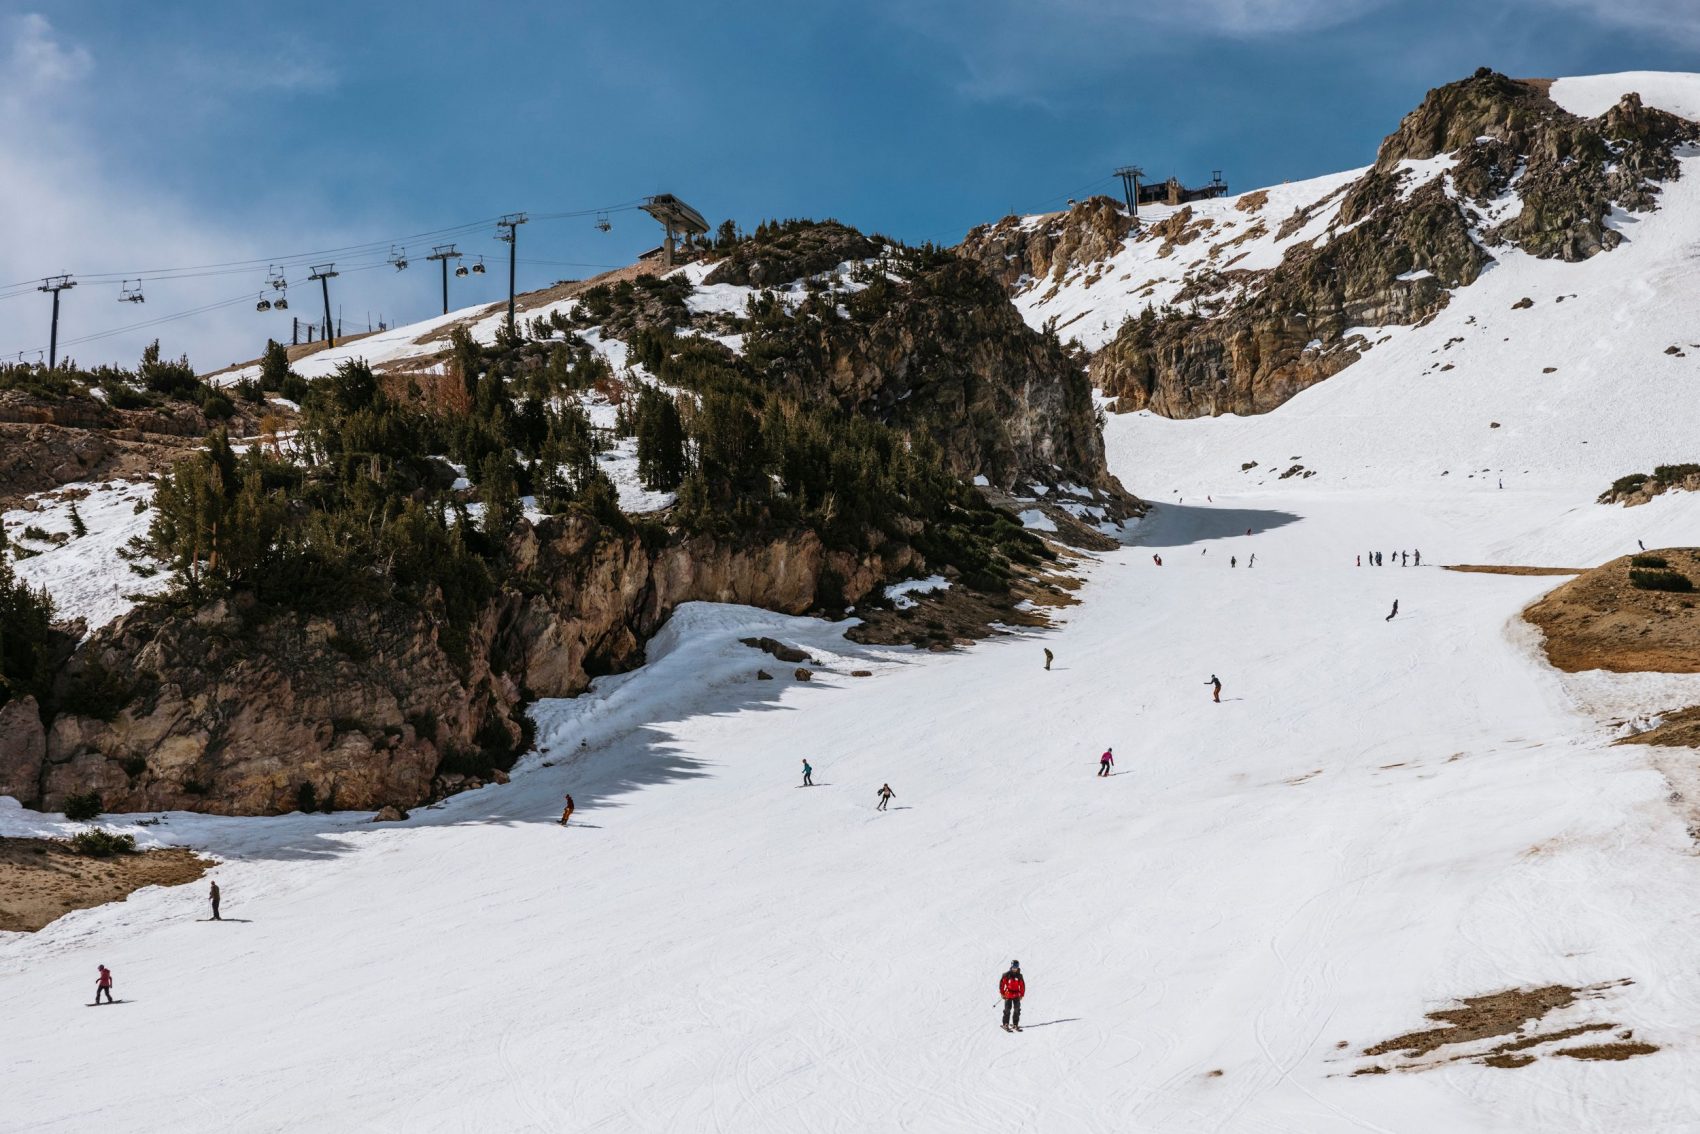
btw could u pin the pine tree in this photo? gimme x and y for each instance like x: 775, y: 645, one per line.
x: 660, y: 441
x: 78, y: 528
x: 274, y: 367
x: 26, y: 620
x: 499, y: 488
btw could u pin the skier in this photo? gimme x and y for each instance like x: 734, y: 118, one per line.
x: 1395, y: 610
x: 1248, y: 531
x: 1048, y: 657
x: 213, y: 895
x: 1233, y: 561
x: 103, y: 985
x: 1105, y: 761
x: 1012, y: 988
x: 1403, y: 556
x: 1360, y: 561
x: 1252, y: 562
x: 567, y: 811
x: 808, y: 773
x: 1215, y: 684
x: 1157, y: 559
x: 1641, y: 545
x: 885, y: 793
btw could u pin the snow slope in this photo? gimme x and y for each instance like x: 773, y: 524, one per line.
x: 1380, y: 817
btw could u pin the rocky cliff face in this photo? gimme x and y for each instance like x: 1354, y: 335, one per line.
x: 1518, y: 170
x: 232, y: 708
x: 943, y: 353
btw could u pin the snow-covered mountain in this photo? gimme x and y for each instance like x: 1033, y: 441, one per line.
x: 1383, y: 815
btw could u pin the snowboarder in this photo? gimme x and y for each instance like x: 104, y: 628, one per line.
x: 1252, y: 562
x: 1215, y: 684
x: 1360, y: 561
x: 1233, y: 561
x: 1417, y: 557
x: 1157, y: 559
x: 885, y: 793
x: 567, y: 811
x: 213, y: 896
x: 1048, y: 657
x: 1248, y: 531
x: 1105, y: 761
x: 808, y: 773
x: 1012, y: 988
x: 1641, y: 545
x: 103, y: 985
x: 1394, y: 611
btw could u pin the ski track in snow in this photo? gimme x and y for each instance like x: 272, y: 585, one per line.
x: 1379, y: 818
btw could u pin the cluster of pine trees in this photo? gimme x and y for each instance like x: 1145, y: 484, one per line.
x: 26, y: 620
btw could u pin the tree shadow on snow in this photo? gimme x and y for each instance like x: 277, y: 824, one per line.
x: 1180, y: 525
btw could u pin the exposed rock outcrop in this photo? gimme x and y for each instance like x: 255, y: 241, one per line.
x: 238, y: 709
x: 945, y: 354
x: 1017, y: 249
x: 1524, y: 172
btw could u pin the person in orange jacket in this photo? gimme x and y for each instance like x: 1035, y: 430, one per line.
x: 1012, y: 988
x: 567, y: 812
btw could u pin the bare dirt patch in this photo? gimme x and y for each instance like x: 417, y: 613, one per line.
x: 1496, y: 569
x: 1599, y: 621
x: 1516, y: 1017
x: 43, y: 879
x: 1680, y: 729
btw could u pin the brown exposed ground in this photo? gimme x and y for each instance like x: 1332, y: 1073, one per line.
x: 1517, y: 1015
x: 959, y: 616
x: 1498, y: 569
x: 1599, y: 621
x: 43, y: 879
x: 1680, y: 729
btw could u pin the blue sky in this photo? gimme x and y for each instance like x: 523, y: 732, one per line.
x: 146, y: 136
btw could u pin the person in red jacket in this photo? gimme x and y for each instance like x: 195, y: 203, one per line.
x: 1104, y: 761
x: 1012, y: 988
x: 103, y: 985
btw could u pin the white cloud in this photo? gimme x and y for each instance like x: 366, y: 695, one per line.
x: 36, y: 60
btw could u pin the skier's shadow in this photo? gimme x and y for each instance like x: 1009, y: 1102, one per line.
x: 905, y: 807
x: 1048, y: 1023
x: 591, y: 826
x: 1113, y: 775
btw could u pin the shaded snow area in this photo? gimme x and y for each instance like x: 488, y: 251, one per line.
x: 899, y: 593
x: 1379, y: 817
x: 86, y: 576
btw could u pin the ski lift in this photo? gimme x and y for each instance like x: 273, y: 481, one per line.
x: 460, y: 270
x: 264, y: 304
x: 280, y: 304
x: 274, y: 277
x: 130, y: 292
x: 398, y: 257
x: 602, y: 224
x: 479, y: 267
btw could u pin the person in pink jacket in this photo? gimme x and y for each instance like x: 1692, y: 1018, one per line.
x: 1105, y: 761
x: 103, y: 985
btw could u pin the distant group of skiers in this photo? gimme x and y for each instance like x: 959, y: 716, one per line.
x: 1400, y: 559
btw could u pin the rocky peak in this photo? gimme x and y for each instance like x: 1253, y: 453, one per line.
x: 1017, y: 249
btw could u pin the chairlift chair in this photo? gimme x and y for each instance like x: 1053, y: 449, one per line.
x: 263, y: 305
x: 130, y: 291
x: 398, y: 257
x: 280, y: 304
x: 461, y: 270
x: 602, y: 224
x: 479, y: 267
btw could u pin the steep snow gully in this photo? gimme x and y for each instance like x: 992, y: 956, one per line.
x: 1378, y: 818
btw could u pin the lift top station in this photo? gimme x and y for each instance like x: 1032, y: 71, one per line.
x: 678, y: 218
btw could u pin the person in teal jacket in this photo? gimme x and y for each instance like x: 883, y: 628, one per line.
x: 808, y: 772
